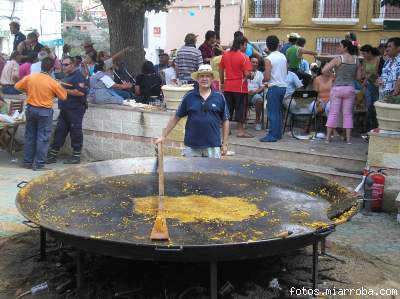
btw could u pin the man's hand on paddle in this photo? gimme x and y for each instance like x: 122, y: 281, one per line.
x: 161, y: 139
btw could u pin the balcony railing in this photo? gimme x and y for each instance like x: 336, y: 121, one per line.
x: 386, y: 12
x: 264, y: 11
x: 338, y: 12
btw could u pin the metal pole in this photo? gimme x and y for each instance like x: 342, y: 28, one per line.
x: 323, y: 246
x: 213, y: 280
x: 315, y: 265
x: 42, y: 244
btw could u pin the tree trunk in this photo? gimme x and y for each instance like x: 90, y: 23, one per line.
x: 217, y: 18
x: 126, y: 30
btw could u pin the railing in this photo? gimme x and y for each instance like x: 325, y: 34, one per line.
x: 339, y: 9
x: 264, y: 9
x: 328, y: 45
x: 385, y: 12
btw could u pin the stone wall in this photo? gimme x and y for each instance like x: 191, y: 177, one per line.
x: 114, y: 132
x: 384, y: 152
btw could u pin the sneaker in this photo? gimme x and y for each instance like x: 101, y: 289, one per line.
x: 40, y: 168
x: 51, y: 159
x: 73, y: 160
x: 26, y: 165
x: 52, y: 156
x: 258, y: 127
x: 268, y: 139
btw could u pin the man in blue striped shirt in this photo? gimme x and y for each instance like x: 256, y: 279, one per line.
x: 188, y: 59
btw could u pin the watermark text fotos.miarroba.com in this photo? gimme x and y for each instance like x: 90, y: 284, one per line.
x: 362, y: 291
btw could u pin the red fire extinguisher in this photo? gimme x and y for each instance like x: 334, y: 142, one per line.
x: 377, y: 178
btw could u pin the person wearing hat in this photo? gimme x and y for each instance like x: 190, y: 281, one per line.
x: 292, y: 38
x: 188, y: 58
x: 205, y: 109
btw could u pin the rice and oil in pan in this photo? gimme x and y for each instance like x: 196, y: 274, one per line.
x: 197, y: 198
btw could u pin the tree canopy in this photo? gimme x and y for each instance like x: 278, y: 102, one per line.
x: 67, y: 12
x: 126, y: 22
x: 147, y: 5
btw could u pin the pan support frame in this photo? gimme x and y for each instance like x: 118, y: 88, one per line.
x: 80, y: 263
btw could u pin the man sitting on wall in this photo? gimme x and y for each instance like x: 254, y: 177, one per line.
x: 206, y: 110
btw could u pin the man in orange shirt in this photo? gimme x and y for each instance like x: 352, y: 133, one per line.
x: 41, y: 89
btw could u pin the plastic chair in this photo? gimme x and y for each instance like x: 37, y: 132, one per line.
x: 9, y: 130
x: 299, y: 107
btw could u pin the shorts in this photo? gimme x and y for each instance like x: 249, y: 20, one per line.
x: 255, y: 98
x: 237, y: 105
x: 208, y: 152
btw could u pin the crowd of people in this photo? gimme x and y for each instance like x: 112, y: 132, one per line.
x: 245, y: 75
x: 227, y: 81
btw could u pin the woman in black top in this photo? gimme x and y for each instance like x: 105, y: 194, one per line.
x: 148, y: 84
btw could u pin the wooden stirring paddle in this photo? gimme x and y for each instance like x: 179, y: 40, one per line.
x: 160, y: 229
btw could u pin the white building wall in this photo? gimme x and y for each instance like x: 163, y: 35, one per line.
x: 41, y: 15
x: 156, y: 33
x: 195, y: 16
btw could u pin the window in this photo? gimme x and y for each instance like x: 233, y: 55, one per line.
x: 264, y: 8
x: 264, y: 12
x: 328, y: 45
x: 340, y: 12
x: 385, y: 12
x: 337, y: 9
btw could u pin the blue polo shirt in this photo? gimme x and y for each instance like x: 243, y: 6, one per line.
x: 74, y: 80
x: 204, y: 118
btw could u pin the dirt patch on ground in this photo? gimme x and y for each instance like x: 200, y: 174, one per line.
x: 20, y: 269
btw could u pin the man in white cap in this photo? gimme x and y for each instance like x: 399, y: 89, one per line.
x: 292, y: 38
x: 205, y: 110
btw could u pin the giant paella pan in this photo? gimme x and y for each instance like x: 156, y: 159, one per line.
x: 216, y: 209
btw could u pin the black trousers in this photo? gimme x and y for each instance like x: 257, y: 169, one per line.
x: 69, y: 121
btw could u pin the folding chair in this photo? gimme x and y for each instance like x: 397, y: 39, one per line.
x: 9, y: 130
x: 299, y: 109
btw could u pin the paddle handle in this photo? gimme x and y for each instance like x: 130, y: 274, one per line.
x: 161, y: 167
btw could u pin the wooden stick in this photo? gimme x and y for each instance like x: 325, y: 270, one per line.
x: 160, y: 229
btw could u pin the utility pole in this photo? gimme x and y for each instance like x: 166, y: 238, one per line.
x: 217, y: 18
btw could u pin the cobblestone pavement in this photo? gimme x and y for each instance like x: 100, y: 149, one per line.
x: 378, y: 235
x: 10, y: 175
